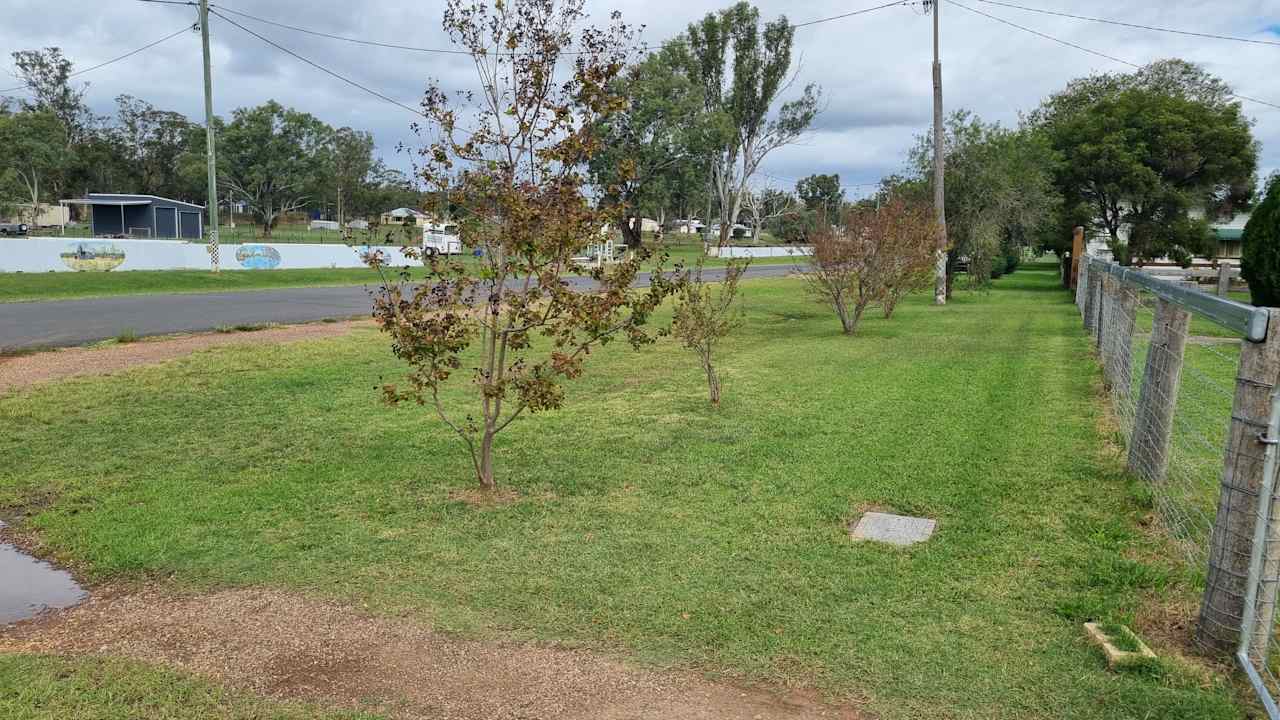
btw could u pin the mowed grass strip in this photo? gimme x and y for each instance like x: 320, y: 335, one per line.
x: 649, y: 523
x: 38, y: 687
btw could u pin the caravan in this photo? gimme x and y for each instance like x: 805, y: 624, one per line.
x: 440, y: 239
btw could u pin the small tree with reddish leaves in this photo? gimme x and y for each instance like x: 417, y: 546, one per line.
x: 912, y: 251
x: 513, y: 158
x: 873, y: 257
x: 705, y: 314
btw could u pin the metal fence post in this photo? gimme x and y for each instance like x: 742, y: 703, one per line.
x: 1230, y: 547
x: 1264, y: 560
x: 1158, y: 396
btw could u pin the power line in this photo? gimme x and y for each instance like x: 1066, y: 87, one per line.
x: 358, y: 41
x: 443, y: 51
x: 320, y: 67
x: 851, y: 14
x: 1088, y: 50
x: 129, y: 54
x: 1068, y: 43
x: 1139, y: 26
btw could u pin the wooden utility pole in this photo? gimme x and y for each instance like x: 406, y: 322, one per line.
x: 939, y: 192
x: 208, y: 126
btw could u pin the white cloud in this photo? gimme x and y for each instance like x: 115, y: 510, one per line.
x: 874, y: 68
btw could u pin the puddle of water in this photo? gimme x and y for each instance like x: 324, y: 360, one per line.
x: 29, y: 586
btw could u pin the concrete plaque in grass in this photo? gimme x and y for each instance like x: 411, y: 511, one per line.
x: 893, y: 529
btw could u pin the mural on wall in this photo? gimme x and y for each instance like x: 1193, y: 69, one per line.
x: 258, y: 257
x: 94, y: 257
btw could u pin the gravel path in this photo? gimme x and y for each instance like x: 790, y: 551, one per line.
x: 23, y: 371
x: 285, y: 646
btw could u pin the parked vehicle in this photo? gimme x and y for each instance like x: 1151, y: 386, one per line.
x: 441, y: 240
x: 7, y: 229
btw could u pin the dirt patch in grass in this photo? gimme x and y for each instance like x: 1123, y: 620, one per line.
x: 20, y: 371
x: 286, y: 646
x: 481, y: 498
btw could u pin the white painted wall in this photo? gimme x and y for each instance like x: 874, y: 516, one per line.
x: 747, y: 251
x: 35, y: 254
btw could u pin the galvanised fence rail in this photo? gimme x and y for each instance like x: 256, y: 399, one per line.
x: 1192, y: 379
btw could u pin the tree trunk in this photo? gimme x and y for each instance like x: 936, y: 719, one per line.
x: 630, y: 235
x: 484, y: 471
x: 713, y: 382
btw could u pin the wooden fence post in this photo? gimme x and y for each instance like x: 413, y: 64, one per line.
x: 1099, y: 304
x: 1082, y: 287
x: 1090, y: 281
x: 1153, y: 418
x: 1222, y: 609
x: 1107, y: 328
x: 1077, y: 252
x: 1124, y: 314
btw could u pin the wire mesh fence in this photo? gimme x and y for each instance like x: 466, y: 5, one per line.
x: 1191, y: 380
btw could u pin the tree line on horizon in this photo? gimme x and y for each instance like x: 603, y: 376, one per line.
x: 1147, y: 159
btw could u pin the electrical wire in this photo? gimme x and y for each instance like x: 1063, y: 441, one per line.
x: 443, y: 51
x: 1139, y: 26
x: 851, y: 14
x: 317, y: 33
x: 1087, y: 50
x: 320, y: 67
x: 129, y: 54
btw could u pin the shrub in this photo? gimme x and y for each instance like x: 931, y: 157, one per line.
x: 1011, y: 263
x: 1260, y: 261
x: 869, y: 258
x: 703, y: 316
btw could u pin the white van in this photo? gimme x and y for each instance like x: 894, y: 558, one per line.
x: 441, y: 240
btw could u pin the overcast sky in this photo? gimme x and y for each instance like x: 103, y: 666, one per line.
x: 873, y: 68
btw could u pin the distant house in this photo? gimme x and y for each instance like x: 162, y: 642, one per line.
x: 141, y: 216
x: 406, y: 216
x: 1230, y: 234
x: 686, y: 227
x: 49, y: 215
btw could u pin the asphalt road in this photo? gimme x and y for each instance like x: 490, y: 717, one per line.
x: 64, y: 323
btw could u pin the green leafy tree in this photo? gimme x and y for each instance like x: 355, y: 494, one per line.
x: 272, y: 158
x: 1260, y: 261
x: 151, y: 143
x: 32, y: 156
x: 1149, y: 158
x: 46, y: 73
x: 351, y: 163
x: 999, y: 185
x: 743, y: 69
x: 649, y: 150
x: 821, y: 194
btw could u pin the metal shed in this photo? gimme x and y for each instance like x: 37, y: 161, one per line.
x: 145, y: 216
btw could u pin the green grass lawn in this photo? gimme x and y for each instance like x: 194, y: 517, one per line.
x: 38, y: 687
x: 651, y: 524
x: 27, y: 287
